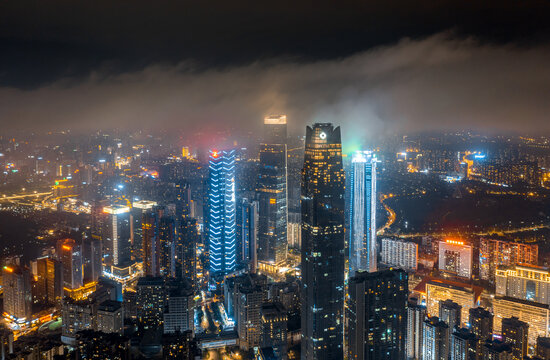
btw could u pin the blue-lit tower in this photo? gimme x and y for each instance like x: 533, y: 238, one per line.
x: 221, y: 212
x: 362, y: 242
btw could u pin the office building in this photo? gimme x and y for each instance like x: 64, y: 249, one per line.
x: 179, y: 310
x: 92, y: 252
x: 416, y: 314
x: 116, y: 242
x: 455, y: 257
x: 110, y: 318
x: 399, y: 253
x: 16, y: 283
x: 150, y: 301
x: 435, y: 340
x: 535, y: 314
x: 221, y: 228
x: 274, y: 320
x: 463, y: 345
x: 362, y: 242
x: 271, y: 192
x: 249, y: 234
x: 322, y: 207
x: 49, y: 280
x: 524, y: 282
x: 150, y: 243
x: 69, y: 254
x: 515, y: 333
x: 497, y: 253
x: 139, y: 208
x: 377, y: 315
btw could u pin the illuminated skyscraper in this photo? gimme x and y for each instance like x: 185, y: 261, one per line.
x: 70, y: 255
x: 139, y: 208
x: 150, y: 243
x: 186, y: 250
x: 455, y: 257
x: 167, y: 245
x: 322, y: 201
x: 221, y: 212
x: 515, y: 332
x: 49, y: 280
x: 16, y: 282
x: 272, y: 192
x: 362, y: 243
x: 116, y: 243
x: 249, y: 233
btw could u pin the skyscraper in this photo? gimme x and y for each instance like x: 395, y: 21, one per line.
x: 49, y: 280
x: 186, y: 250
x: 416, y: 314
x: 515, y: 333
x: 377, y: 315
x: 322, y: 200
x: 70, y: 255
x: 116, y: 244
x: 150, y: 243
x: 221, y: 212
x: 16, y: 281
x: 362, y: 243
x: 272, y: 192
x: 450, y: 313
x: 435, y: 343
x: 92, y: 251
x: 167, y: 245
x: 249, y: 233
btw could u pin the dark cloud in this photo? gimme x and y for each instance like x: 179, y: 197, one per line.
x: 441, y: 82
x: 43, y: 41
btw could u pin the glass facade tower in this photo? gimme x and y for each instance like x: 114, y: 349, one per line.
x: 221, y: 212
x: 362, y: 242
x: 322, y: 199
x: 272, y: 192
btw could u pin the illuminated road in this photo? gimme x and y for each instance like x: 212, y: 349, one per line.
x: 15, y: 197
x: 483, y: 233
x: 391, y: 215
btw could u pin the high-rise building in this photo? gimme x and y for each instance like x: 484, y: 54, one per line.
x: 515, y: 333
x: 496, y: 350
x: 249, y: 233
x: 77, y: 315
x: 167, y: 245
x: 322, y: 244
x: 416, y: 314
x: 362, y: 242
x: 377, y: 315
x: 69, y: 254
x: 272, y: 193
x: 495, y: 253
x: 116, y: 244
x: 481, y: 325
x: 222, y: 242
x: 399, y: 253
x: 450, y: 313
x: 535, y: 314
x: 275, y: 129
x: 543, y: 347
x: 455, y: 257
x: 186, y: 250
x: 150, y: 243
x: 179, y: 310
x: 274, y: 320
x: 49, y: 282
x: 250, y: 294
x: 110, y: 317
x: 92, y: 251
x: 16, y: 282
x: 463, y: 345
x: 524, y: 282
x: 139, y: 208
x: 150, y: 302
x: 435, y: 340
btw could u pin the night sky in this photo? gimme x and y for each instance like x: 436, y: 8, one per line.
x: 371, y: 66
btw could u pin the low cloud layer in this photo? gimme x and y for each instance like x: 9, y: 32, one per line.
x: 437, y: 83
